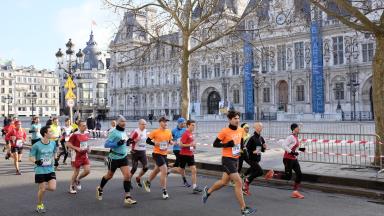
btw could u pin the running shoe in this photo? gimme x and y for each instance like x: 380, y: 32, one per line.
x: 7, y: 156
x: 165, y: 195
x: 248, y: 211
x: 186, y: 184
x: 72, y: 189
x: 197, y: 190
x: 205, y: 194
x: 78, y: 185
x: 18, y: 172
x: 269, y: 175
x: 138, y: 182
x: 147, y: 186
x: 40, y: 208
x: 99, y: 193
x: 297, y: 195
x: 129, y: 201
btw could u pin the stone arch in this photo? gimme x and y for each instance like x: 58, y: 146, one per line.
x: 282, y: 95
x: 207, y: 98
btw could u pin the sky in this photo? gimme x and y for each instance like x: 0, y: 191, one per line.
x: 32, y: 31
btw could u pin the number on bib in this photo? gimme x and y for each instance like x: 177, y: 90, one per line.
x: 19, y: 143
x: 236, y: 150
x: 163, y: 146
x: 83, y: 145
x: 47, y: 161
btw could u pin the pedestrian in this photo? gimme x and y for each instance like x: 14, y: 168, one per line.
x: 188, y: 147
x: 16, y: 138
x: 42, y: 155
x: 98, y: 129
x: 229, y: 139
x: 177, y: 133
x: 138, y: 150
x: 160, y: 138
x: 35, y: 130
x: 255, y: 147
x: 117, y: 143
x: 66, y: 133
x: 91, y: 125
x: 79, y: 143
x: 150, y: 118
x: 290, y: 145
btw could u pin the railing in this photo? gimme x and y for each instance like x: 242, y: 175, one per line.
x: 343, y: 149
x: 357, y: 116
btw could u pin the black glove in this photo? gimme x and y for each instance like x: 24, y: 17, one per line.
x: 230, y: 144
x: 121, y: 142
x: 56, y: 163
x: 129, y: 141
x: 39, y: 162
x: 294, y: 153
x: 302, y: 149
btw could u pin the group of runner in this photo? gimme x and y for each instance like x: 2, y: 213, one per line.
x: 236, y: 143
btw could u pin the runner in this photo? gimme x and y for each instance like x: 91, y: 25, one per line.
x: 16, y: 137
x: 56, y: 131
x: 138, y: 150
x: 176, y: 134
x: 117, y: 142
x: 66, y: 133
x: 290, y: 145
x: 7, y: 146
x: 160, y: 138
x: 79, y: 143
x: 188, y: 147
x: 243, y: 153
x: 35, y: 130
x: 255, y: 146
x: 230, y: 139
x: 42, y: 155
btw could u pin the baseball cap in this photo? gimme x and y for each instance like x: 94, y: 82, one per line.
x: 180, y: 120
x: 163, y: 119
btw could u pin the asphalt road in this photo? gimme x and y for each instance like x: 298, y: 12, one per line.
x: 18, y: 197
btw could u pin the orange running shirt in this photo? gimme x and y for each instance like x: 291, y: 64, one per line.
x: 163, y: 137
x: 226, y: 135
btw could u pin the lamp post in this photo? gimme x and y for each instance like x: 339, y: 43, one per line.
x: 353, y: 82
x: 33, y: 97
x: 70, y: 69
x: 258, y: 82
x: 80, y: 104
x: 9, y: 99
x: 133, y: 98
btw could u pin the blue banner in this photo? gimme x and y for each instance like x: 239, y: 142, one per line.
x: 249, y: 104
x: 317, y: 69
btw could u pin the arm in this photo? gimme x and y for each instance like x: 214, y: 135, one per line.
x: 71, y: 146
x: 150, y: 142
x: 285, y: 144
x: 218, y: 144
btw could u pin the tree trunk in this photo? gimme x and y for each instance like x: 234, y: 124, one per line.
x: 185, y: 93
x: 378, y: 95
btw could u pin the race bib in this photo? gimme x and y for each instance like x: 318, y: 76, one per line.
x: 163, y: 146
x: 19, y: 143
x: 193, y: 149
x: 47, y: 161
x: 178, y: 141
x: 141, y: 146
x: 83, y: 145
x: 236, y: 150
x: 66, y: 138
x: 258, y: 149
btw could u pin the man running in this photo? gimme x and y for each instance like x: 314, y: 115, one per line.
x: 188, y: 147
x: 117, y: 142
x: 42, y: 155
x: 79, y: 143
x: 10, y: 126
x: 176, y: 134
x: 255, y: 146
x: 138, y: 150
x: 160, y: 138
x: 243, y: 153
x: 17, y: 138
x: 35, y: 130
x: 229, y: 139
x: 291, y: 145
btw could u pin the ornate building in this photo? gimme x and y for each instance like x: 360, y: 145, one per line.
x: 296, y: 72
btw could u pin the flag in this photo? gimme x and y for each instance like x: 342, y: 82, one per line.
x: 94, y: 23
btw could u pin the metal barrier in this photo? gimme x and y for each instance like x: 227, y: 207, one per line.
x: 344, y: 149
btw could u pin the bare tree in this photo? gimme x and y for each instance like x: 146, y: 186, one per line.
x: 367, y: 17
x: 194, y: 24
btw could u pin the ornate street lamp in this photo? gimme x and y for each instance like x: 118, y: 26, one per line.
x: 69, y: 69
x: 9, y: 100
x: 33, y: 97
